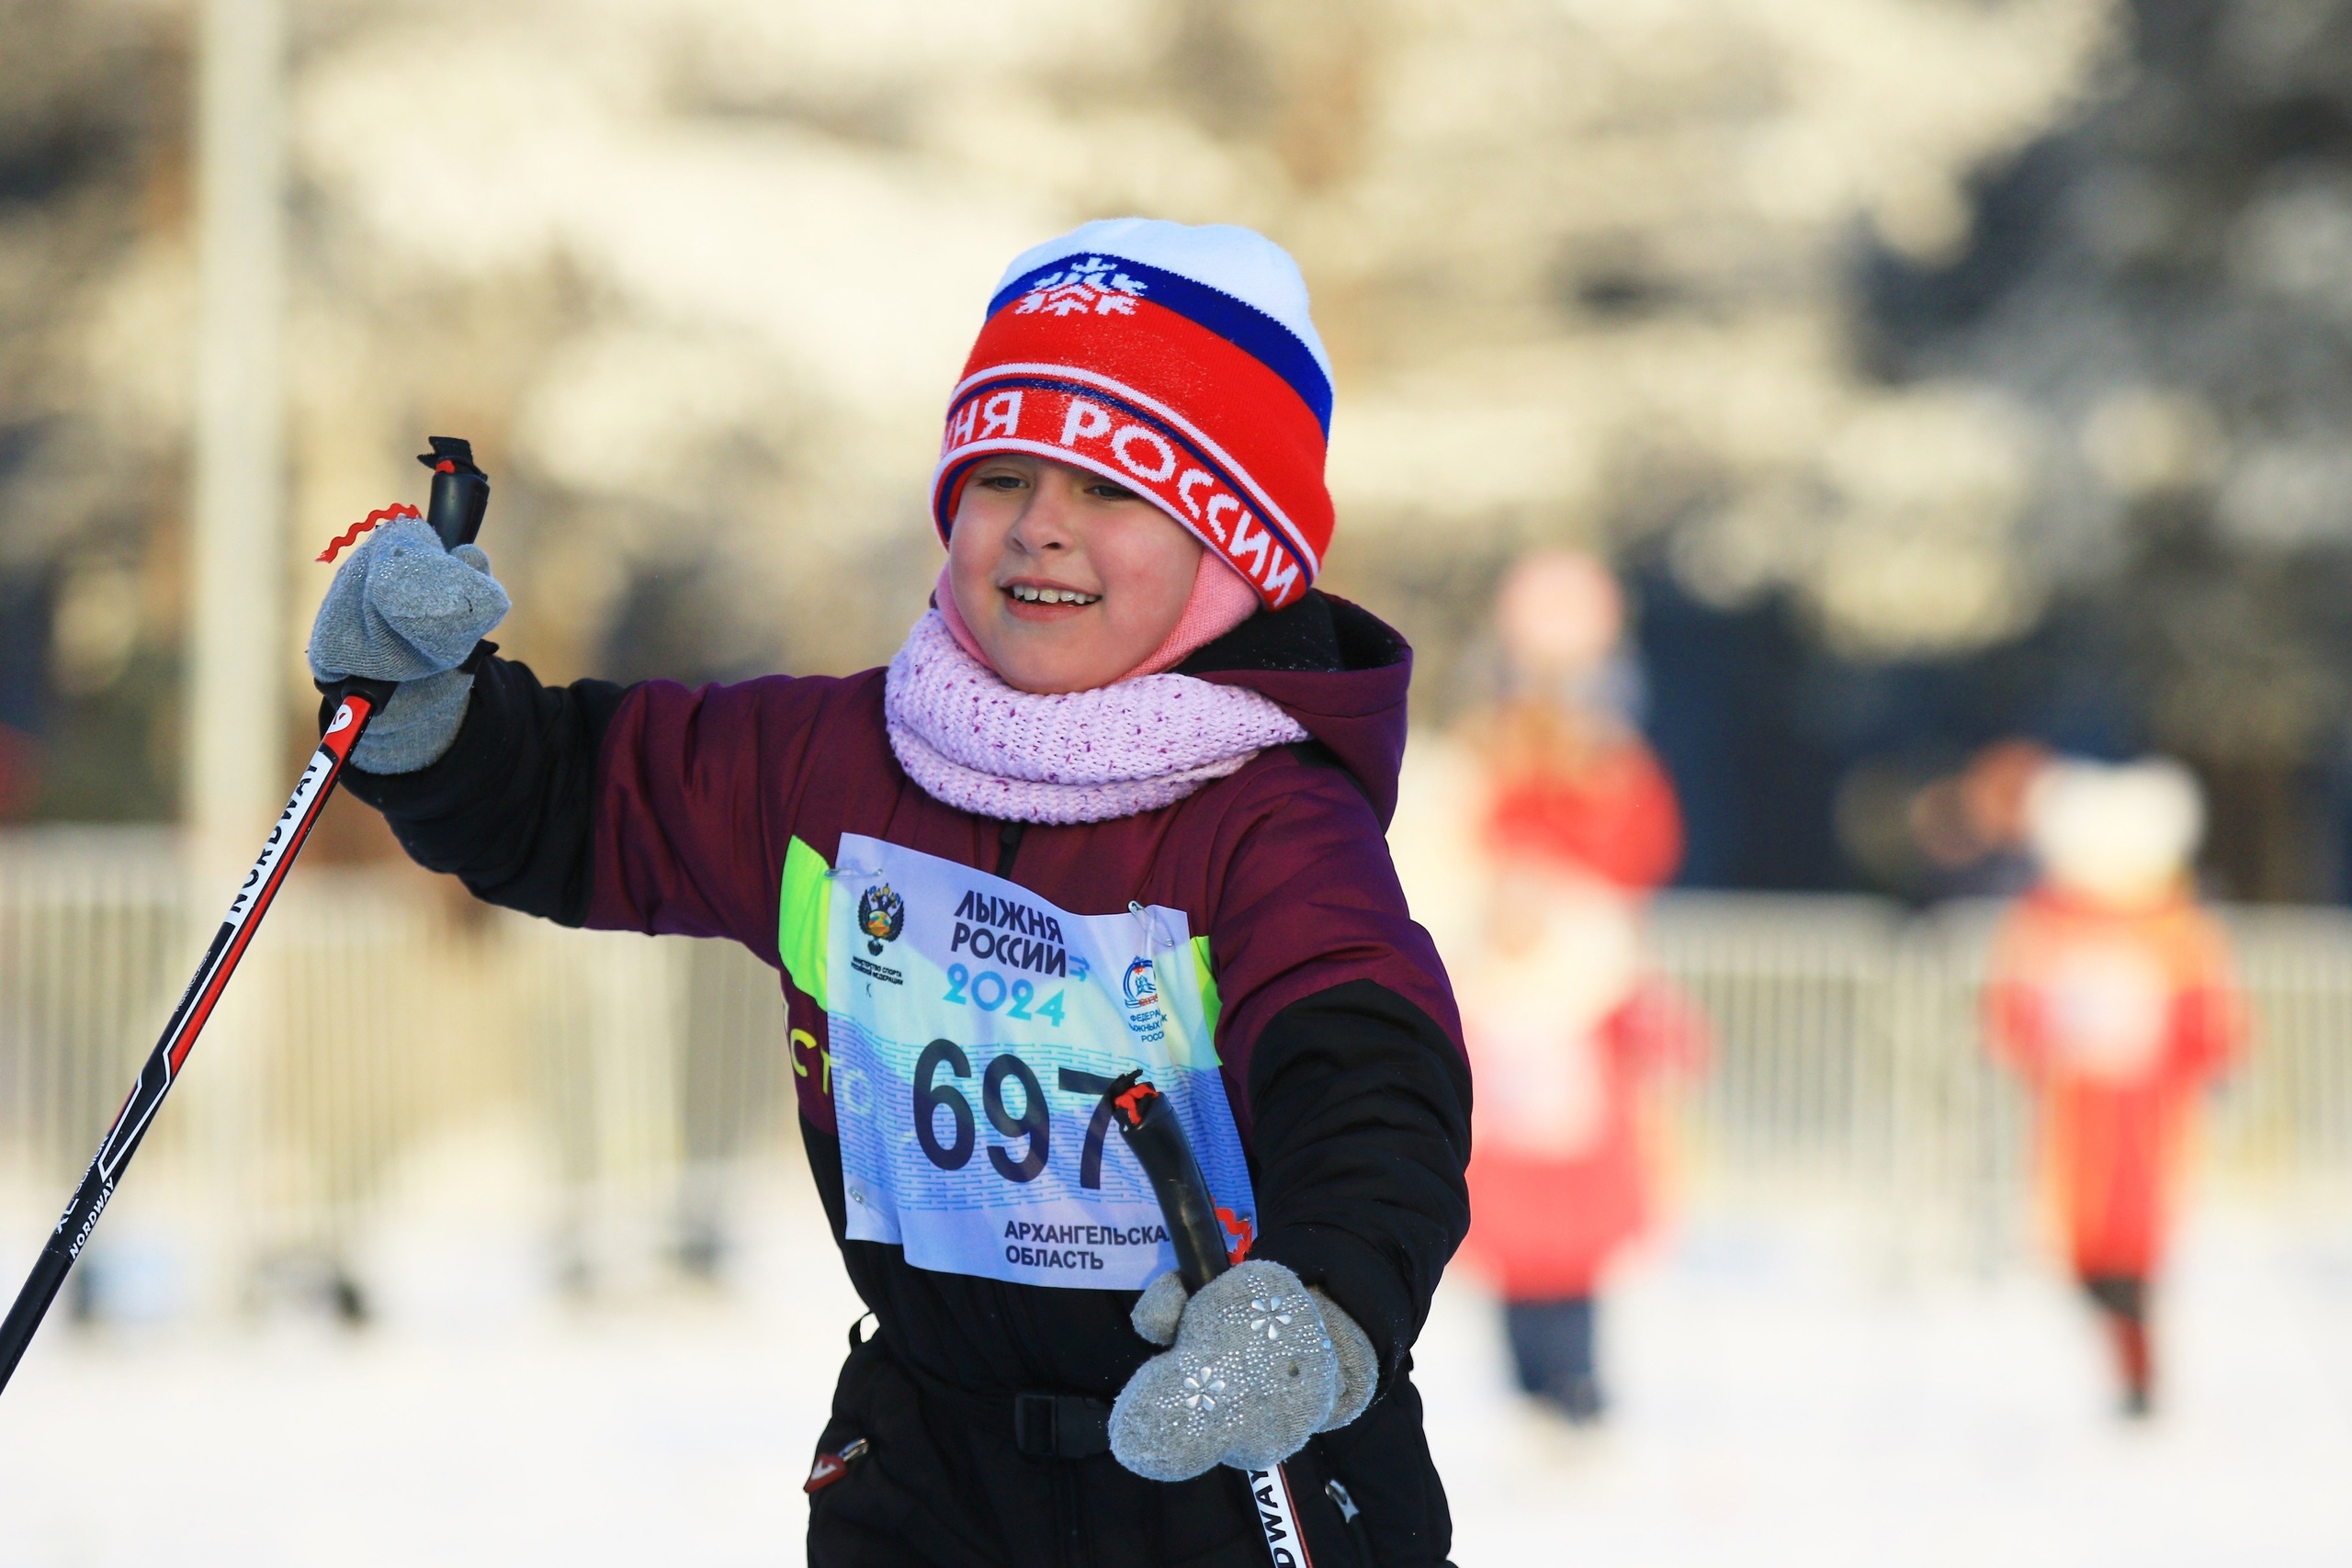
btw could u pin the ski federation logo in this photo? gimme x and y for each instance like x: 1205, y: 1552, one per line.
x: 1140, y: 985
x: 881, y: 915
x: 1092, y: 286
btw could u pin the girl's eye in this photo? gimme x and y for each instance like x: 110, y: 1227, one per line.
x: 999, y: 481
x: 1109, y: 491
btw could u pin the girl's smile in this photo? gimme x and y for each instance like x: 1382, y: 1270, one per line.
x: 1035, y: 600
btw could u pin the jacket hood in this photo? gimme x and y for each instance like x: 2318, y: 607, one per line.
x: 1337, y: 669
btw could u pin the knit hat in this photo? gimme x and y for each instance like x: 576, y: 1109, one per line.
x: 1179, y: 361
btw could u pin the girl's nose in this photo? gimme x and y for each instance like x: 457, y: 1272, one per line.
x: 1044, y: 523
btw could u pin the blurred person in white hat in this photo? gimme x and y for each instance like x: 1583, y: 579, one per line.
x: 2111, y: 992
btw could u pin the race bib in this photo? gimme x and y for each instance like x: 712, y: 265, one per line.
x: 975, y: 1027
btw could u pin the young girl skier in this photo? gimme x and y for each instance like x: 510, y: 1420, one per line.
x: 1117, y: 803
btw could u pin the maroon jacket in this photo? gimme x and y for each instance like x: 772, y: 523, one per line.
x: 664, y: 809
x: 1282, y: 865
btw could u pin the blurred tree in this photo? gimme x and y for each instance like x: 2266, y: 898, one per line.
x: 89, y: 176
x: 2164, y: 286
x: 1916, y: 460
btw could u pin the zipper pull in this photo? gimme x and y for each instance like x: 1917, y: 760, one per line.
x: 832, y: 1467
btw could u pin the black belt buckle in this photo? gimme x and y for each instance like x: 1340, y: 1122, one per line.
x: 1061, y: 1426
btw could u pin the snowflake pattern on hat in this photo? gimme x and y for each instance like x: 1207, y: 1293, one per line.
x: 1091, y: 285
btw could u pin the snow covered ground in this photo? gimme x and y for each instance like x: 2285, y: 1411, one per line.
x: 1775, y: 1404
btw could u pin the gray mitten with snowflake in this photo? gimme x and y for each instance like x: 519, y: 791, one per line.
x: 403, y: 608
x: 1260, y: 1364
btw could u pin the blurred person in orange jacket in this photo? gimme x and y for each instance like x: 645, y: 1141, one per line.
x: 2111, y: 992
x: 1564, y: 1023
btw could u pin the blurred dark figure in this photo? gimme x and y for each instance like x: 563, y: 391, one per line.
x: 1565, y: 1024
x: 2109, y: 990
x: 20, y: 773
x: 1971, y: 827
x: 2161, y: 284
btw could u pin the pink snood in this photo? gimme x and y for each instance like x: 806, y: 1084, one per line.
x: 1222, y: 598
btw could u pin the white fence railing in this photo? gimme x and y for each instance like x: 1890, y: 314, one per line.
x: 380, y: 1014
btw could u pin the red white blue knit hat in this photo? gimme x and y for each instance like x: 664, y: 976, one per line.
x: 1179, y: 361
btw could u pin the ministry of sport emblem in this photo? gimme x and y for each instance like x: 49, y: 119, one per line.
x: 881, y: 915
x: 1140, y: 985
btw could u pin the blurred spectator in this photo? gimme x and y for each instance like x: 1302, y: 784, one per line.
x: 1970, y: 828
x: 1571, y: 782
x: 1574, y: 824
x: 20, y: 773
x: 2111, y: 991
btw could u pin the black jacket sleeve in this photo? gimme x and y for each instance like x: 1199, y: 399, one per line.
x: 509, y: 808
x: 1362, y: 1137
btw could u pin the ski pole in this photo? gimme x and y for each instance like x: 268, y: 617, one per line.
x: 1149, y: 1126
x: 460, y: 495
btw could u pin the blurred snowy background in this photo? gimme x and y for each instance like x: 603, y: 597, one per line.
x: 1940, y: 369
x: 1938, y: 374
x: 1775, y: 1408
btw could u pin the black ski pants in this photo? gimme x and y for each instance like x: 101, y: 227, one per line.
x: 942, y: 1482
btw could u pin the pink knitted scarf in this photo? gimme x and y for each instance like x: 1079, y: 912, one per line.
x: 1136, y: 745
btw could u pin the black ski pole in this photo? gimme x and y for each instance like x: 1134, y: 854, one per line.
x: 1149, y: 1126
x: 460, y: 495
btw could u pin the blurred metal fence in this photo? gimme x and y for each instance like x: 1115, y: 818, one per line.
x: 380, y: 1014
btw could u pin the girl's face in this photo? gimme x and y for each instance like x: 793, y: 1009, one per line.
x: 1067, y: 579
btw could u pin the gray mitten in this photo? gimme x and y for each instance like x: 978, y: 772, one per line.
x: 1160, y: 1309
x: 1252, y: 1375
x: 404, y: 609
x: 1359, y: 1362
